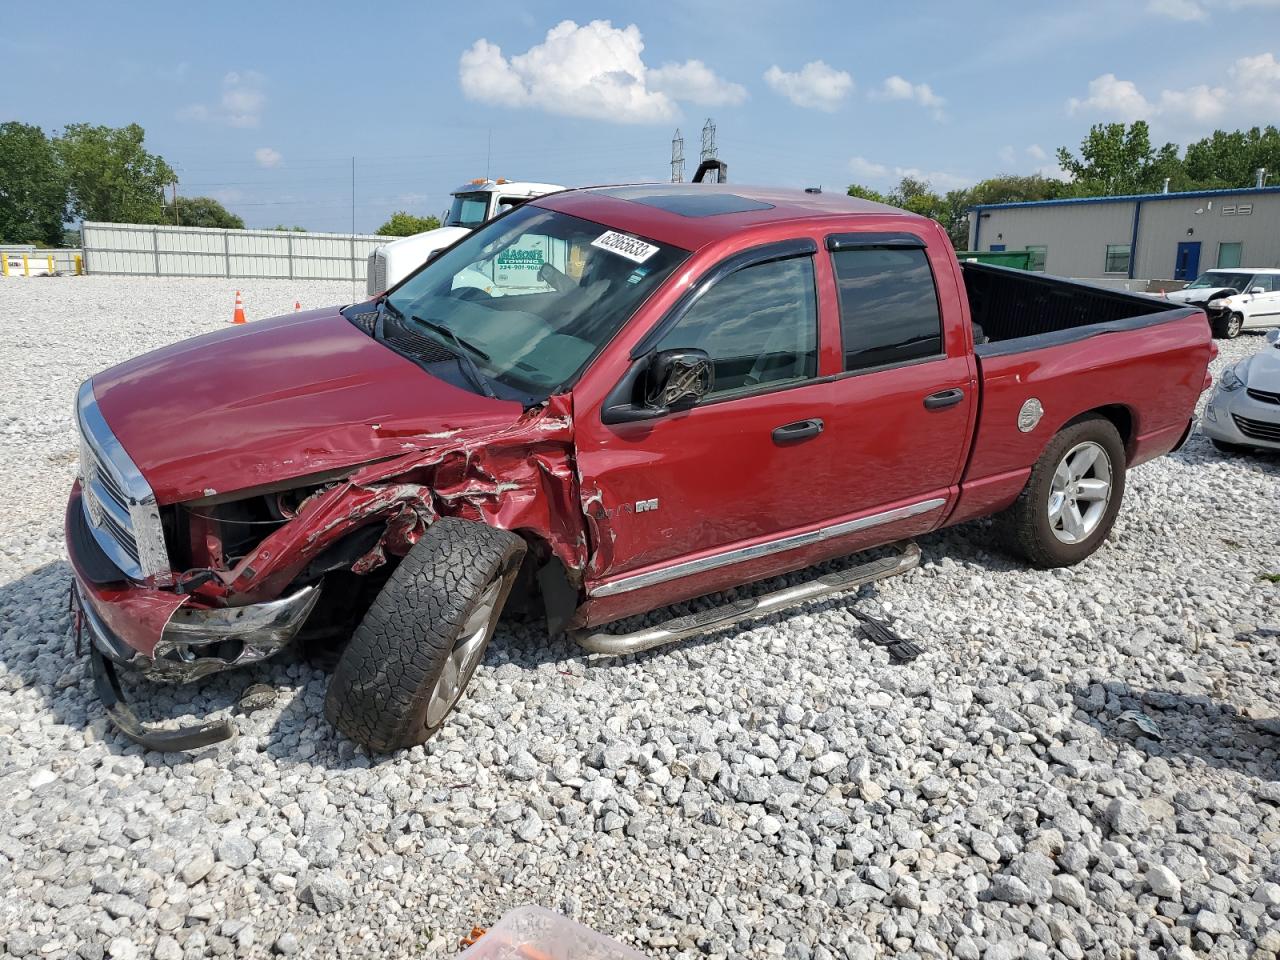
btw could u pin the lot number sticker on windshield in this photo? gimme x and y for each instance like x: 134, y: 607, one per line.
x: 625, y: 246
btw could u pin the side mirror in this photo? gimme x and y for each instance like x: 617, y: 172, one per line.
x: 659, y: 384
x: 678, y: 379
x: 1273, y: 337
x: 1256, y: 290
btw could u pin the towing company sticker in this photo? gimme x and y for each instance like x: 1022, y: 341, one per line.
x: 625, y: 246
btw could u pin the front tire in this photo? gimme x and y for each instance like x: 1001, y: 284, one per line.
x: 1072, y: 498
x: 411, y: 657
x: 1229, y: 327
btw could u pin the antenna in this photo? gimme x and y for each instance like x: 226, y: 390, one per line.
x: 677, y: 158
x: 709, y: 143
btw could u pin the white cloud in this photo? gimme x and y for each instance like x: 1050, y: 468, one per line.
x: 1037, y: 152
x: 268, y: 157
x: 697, y: 83
x: 594, y: 71
x: 240, y: 105
x: 1250, y: 91
x: 1177, y: 9
x: 899, y: 88
x: 815, y: 85
x: 939, y: 180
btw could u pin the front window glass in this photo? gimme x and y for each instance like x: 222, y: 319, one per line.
x: 759, y: 326
x: 469, y: 210
x: 1215, y: 278
x: 532, y: 297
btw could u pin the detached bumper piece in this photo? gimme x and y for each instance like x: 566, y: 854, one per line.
x: 618, y: 644
x: 190, y: 737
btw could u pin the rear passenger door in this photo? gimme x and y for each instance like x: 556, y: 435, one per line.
x: 1263, y: 309
x: 907, y: 394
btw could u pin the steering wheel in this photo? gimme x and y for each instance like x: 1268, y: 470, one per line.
x: 555, y: 278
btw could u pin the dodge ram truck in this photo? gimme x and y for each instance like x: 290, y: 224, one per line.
x: 715, y: 385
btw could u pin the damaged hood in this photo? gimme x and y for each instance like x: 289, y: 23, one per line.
x: 277, y: 400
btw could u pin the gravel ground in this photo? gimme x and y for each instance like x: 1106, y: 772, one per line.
x: 773, y: 790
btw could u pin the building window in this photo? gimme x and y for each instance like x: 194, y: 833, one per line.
x: 997, y: 248
x: 1039, y: 253
x: 1117, y: 258
x: 1230, y: 254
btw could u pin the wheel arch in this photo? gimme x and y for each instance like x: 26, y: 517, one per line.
x: 1122, y: 417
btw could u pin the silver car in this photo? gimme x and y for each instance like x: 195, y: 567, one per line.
x: 1244, y: 410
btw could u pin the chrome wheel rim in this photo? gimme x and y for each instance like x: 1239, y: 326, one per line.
x: 466, y: 653
x: 1080, y: 492
x: 1234, y: 325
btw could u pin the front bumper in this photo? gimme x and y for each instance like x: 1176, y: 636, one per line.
x: 1235, y: 417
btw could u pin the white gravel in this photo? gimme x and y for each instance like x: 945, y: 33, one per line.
x: 773, y: 790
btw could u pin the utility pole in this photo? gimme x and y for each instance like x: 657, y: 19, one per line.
x: 677, y: 158
x: 177, y: 222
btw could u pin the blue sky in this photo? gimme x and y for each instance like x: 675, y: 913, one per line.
x: 263, y: 105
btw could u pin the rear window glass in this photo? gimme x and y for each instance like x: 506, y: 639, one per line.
x: 888, y: 307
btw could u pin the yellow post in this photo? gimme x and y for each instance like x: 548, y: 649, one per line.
x: 79, y: 265
x: 4, y: 264
x: 51, y: 265
x: 26, y: 267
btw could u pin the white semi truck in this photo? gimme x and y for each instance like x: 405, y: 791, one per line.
x: 474, y: 203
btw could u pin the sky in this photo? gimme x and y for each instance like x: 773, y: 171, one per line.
x: 264, y: 105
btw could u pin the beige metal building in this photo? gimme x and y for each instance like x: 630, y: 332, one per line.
x: 1157, y: 235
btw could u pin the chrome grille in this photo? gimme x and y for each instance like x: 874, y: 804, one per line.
x: 1258, y: 429
x: 377, y: 281
x: 116, y: 498
x: 1266, y: 396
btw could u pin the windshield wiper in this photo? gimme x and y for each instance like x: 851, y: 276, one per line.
x: 464, y: 358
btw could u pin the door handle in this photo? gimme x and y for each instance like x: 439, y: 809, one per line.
x: 800, y: 430
x: 943, y: 398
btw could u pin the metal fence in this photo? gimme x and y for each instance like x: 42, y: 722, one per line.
x: 23, y: 261
x: 160, y: 251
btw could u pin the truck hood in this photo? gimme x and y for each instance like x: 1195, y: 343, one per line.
x: 278, y: 400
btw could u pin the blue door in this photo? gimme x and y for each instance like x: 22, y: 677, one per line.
x: 1187, y: 266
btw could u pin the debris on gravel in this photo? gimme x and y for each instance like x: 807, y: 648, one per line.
x: 774, y: 790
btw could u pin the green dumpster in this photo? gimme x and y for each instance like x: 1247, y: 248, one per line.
x: 1018, y: 259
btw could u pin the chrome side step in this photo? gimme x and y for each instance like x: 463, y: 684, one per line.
x: 678, y: 628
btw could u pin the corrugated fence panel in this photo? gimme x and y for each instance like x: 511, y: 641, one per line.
x: 172, y: 251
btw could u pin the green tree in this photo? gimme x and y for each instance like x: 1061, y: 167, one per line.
x: 1115, y: 159
x: 866, y: 193
x: 281, y: 226
x: 110, y: 174
x: 1232, y: 159
x: 1014, y: 188
x: 202, y: 212
x: 402, y: 224
x: 33, y: 188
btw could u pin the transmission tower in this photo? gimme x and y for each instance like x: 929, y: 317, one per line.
x: 677, y: 158
x: 708, y: 140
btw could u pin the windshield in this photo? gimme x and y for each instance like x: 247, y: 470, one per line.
x: 469, y: 210
x: 1215, y: 278
x: 533, y: 296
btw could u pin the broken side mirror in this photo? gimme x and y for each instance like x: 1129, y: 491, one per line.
x: 659, y: 384
x: 677, y: 379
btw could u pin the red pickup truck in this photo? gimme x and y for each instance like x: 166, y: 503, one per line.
x: 694, y: 388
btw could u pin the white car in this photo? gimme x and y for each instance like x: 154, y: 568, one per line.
x: 1244, y: 410
x: 1235, y: 299
x: 474, y: 203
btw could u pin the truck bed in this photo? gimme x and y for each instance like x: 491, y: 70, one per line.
x: 1014, y: 311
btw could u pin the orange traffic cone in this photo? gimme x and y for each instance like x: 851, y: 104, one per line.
x: 297, y: 305
x: 238, y: 316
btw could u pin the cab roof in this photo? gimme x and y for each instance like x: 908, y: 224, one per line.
x: 518, y: 188
x: 691, y: 215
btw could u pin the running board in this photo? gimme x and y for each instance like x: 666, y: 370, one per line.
x: 678, y: 628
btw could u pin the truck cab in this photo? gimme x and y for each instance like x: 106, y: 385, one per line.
x: 474, y: 203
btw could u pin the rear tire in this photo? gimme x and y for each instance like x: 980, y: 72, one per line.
x: 411, y: 657
x: 1072, y: 497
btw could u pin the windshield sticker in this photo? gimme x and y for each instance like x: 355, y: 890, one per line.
x: 625, y: 246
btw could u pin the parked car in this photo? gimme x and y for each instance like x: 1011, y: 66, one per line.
x: 1236, y: 299
x: 1244, y: 411
x: 720, y: 386
x: 474, y: 203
